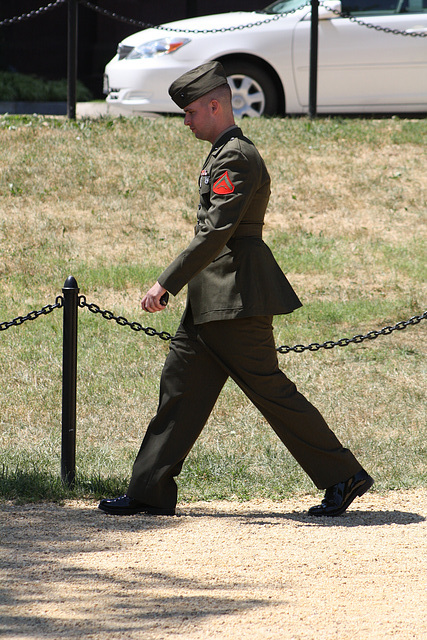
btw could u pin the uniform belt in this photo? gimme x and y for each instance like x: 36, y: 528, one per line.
x: 247, y: 229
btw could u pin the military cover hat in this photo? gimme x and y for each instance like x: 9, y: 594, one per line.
x: 196, y: 83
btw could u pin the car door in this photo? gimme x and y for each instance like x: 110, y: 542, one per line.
x: 361, y: 67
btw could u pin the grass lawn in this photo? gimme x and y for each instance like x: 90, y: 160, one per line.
x: 112, y: 201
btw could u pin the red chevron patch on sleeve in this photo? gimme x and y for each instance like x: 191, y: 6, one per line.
x: 223, y: 185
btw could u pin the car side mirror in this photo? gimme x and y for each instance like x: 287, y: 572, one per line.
x: 327, y: 10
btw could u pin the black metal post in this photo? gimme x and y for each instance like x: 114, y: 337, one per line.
x: 69, y: 381
x: 314, y: 37
x: 72, y: 59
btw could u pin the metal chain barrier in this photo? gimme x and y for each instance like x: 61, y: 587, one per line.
x: 344, y: 342
x: 16, y: 322
x: 375, y: 27
x: 135, y: 326
x: 258, y: 23
x: 145, y: 25
x: 32, y: 14
x: 71, y: 301
x: 298, y: 348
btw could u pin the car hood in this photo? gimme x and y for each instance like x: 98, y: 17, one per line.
x: 201, y: 23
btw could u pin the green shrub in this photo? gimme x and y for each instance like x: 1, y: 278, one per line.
x: 18, y: 86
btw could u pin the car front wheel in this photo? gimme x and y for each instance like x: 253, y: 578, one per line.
x: 253, y: 91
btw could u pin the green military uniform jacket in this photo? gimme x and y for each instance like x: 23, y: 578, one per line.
x: 230, y: 271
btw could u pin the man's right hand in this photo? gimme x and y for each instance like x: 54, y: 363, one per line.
x: 151, y: 302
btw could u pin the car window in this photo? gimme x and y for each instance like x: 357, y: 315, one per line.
x: 383, y: 7
x: 284, y: 6
x: 359, y: 7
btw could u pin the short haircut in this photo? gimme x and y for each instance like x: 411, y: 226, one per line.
x: 221, y: 93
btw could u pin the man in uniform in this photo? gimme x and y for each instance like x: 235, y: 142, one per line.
x: 235, y: 287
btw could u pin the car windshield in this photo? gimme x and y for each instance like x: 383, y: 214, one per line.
x: 284, y: 6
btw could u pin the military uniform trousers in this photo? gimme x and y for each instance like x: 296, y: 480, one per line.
x: 200, y: 360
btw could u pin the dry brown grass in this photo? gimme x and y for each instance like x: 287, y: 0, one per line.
x: 111, y: 202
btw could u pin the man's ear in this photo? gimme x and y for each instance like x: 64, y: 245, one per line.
x: 214, y: 106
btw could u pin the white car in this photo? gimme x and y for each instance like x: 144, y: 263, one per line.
x: 372, y: 58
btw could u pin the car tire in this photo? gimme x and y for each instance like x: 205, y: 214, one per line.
x: 253, y: 90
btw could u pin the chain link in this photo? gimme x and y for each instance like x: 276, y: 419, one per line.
x: 375, y: 27
x: 146, y: 25
x: 33, y: 315
x: 164, y: 335
x: 32, y: 14
x: 298, y: 348
x: 258, y: 23
x: 344, y: 342
x: 123, y: 322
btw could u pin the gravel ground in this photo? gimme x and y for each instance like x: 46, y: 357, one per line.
x: 228, y: 570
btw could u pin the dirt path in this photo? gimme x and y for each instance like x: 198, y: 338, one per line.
x: 220, y: 570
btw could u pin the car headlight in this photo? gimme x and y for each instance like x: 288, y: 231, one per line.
x: 156, y: 48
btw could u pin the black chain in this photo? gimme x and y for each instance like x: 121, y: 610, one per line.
x: 164, y: 335
x: 16, y: 322
x: 258, y: 23
x: 135, y: 326
x: 146, y: 25
x: 375, y: 27
x: 298, y: 348
x: 32, y: 14
x: 344, y: 342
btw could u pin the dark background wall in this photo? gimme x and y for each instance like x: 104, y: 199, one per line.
x: 39, y: 45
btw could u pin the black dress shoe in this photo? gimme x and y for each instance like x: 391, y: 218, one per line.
x: 126, y: 506
x: 340, y: 496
